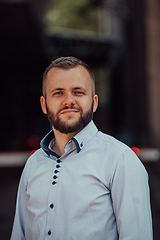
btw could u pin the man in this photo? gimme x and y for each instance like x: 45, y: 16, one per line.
x: 81, y: 184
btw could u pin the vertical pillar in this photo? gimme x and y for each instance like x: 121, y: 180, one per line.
x: 153, y: 68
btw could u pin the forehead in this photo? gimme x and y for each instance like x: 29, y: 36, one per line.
x: 70, y: 78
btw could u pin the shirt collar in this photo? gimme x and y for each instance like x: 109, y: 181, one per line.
x: 80, y: 139
x: 84, y: 136
x: 45, y: 143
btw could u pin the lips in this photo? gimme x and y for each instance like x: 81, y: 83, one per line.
x: 67, y: 111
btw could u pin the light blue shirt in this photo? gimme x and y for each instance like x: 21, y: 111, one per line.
x: 97, y: 190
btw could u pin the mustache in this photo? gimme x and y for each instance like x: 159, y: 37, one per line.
x: 72, y: 107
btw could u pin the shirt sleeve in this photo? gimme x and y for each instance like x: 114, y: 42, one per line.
x: 18, y: 231
x: 131, y: 199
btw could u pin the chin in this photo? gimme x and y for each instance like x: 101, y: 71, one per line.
x: 70, y: 120
x: 70, y: 123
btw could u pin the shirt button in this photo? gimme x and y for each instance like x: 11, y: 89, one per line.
x: 52, y: 206
x: 56, y: 171
x: 49, y: 232
x: 59, y: 161
x: 58, y: 166
x: 81, y: 144
x: 54, y: 182
x: 55, y: 177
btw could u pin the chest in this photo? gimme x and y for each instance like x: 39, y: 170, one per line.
x: 73, y: 181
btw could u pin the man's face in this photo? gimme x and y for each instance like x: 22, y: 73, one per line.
x: 69, y: 103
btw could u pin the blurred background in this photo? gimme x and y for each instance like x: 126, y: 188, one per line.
x: 119, y: 39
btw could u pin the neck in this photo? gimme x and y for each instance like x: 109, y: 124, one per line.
x: 61, y: 140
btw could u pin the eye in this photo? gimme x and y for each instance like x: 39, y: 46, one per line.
x: 57, y: 93
x: 79, y: 93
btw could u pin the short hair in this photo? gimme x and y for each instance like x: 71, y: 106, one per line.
x: 67, y: 63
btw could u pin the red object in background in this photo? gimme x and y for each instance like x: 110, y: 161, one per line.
x: 32, y: 152
x: 136, y: 150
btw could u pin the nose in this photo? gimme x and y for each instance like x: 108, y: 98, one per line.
x: 69, y: 100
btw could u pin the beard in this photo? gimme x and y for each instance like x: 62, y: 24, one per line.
x: 63, y: 126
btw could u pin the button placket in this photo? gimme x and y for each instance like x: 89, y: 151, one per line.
x: 56, y: 171
x: 51, y: 204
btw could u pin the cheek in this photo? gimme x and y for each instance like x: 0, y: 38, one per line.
x: 85, y: 104
x: 52, y: 104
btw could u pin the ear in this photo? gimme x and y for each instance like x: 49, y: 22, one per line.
x: 43, y: 104
x: 95, y: 102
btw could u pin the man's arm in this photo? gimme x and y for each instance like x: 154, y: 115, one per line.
x: 18, y: 231
x: 131, y: 199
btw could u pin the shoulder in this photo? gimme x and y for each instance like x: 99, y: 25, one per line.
x: 117, y: 153
x: 35, y: 161
x: 111, y: 144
